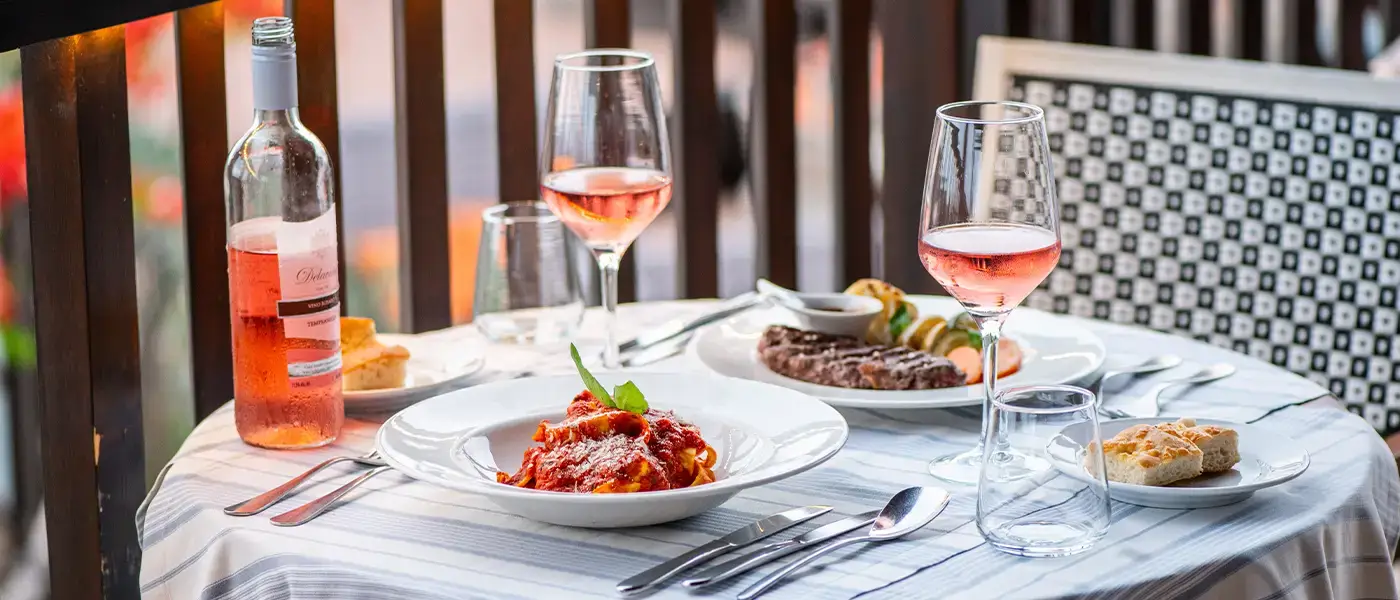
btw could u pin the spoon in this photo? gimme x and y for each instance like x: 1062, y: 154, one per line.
x: 906, y: 512
x: 1215, y: 372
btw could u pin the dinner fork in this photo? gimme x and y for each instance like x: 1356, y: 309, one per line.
x: 1153, y: 399
x: 261, y: 502
x: 314, y: 508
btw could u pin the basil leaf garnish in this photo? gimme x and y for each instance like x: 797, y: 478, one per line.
x: 591, y: 382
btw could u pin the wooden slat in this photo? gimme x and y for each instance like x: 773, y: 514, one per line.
x: 79, y: 171
x: 979, y: 18
x: 920, y: 74
x: 515, y: 100
x: 608, y: 24
x: 199, y: 52
x: 695, y: 141
x: 1018, y: 17
x: 1349, y: 35
x: 1144, y: 24
x: 1197, y: 24
x: 1251, y: 30
x: 425, y: 277
x: 773, y: 164
x: 1091, y: 21
x: 1305, y: 33
x: 316, y: 91
x: 850, y: 90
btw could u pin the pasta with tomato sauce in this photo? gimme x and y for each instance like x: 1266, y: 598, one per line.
x: 603, y: 450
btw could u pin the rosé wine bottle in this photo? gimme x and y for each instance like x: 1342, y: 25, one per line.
x: 284, y: 287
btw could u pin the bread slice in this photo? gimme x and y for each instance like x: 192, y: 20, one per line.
x: 374, y: 368
x: 1146, y: 455
x: 366, y: 363
x: 1220, y: 446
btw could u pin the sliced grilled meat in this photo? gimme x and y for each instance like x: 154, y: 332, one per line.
x: 848, y: 362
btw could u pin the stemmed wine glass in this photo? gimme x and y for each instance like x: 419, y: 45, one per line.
x: 605, y: 167
x: 989, y: 230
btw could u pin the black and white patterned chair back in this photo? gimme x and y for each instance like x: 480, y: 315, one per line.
x: 1233, y: 207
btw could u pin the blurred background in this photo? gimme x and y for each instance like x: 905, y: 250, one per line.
x: 366, y: 82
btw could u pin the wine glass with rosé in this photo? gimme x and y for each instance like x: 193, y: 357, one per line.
x: 989, y: 231
x: 605, y: 168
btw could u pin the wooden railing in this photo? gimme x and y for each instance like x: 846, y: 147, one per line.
x: 80, y: 178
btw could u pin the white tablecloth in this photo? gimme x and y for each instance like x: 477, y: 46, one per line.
x: 1329, y: 534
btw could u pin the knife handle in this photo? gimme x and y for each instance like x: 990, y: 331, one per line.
x: 664, y: 571
x: 743, y: 564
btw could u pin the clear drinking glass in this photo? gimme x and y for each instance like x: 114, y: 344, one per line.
x: 989, y: 230
x: 605, y: 167
x: 1043, y: 492
x: 527, y: 288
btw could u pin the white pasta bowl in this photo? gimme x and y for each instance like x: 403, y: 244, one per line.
x: 761, y: 433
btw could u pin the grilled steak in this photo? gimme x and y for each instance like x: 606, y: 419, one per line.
x: 844, y: 361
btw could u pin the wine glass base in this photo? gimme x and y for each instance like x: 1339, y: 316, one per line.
x: 963, y: 468
x: 966, y: 468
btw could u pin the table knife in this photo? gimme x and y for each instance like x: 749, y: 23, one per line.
x: 664, y: 333
x: 657, y: 353
x: 777, y: 550
x: 738, y: 538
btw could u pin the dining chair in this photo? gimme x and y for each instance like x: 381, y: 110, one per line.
x: 1253, y: 206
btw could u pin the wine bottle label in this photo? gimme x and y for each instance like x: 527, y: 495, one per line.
x: 310, y: 301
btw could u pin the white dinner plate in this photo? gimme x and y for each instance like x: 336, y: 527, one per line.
x: 1056, y: 350
x: 1267, y: 459
x: 762, y: 433
x: 433, y: 368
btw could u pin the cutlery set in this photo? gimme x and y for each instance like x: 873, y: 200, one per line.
x: 906, y: 512
x: 310, y: 510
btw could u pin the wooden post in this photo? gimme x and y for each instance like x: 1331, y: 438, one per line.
x: 773, y: 158
x: 425, y: 278
x: 694, y: 114
x: 850, y: 89
x: 921, y: 74
x: 79, y: 168
x: 515, y: 100
x: 608, y: 24
x: 314, y: 21
x: 199, y: 52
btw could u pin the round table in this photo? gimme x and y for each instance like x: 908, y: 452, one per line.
x: 1329, y: 533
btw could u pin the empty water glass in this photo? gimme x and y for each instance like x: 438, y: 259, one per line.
x: 1041, y: 492
x: 527, y: 288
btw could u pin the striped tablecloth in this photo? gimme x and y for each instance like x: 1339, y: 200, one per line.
x: 1329, y: 534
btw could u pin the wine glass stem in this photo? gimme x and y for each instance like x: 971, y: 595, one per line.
x: 991, y: 333
x: 609, y: 264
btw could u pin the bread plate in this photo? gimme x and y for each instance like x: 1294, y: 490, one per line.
x: 1267, y: 459
x: 1056, y: 349
x: 432, y: 369
x: 761, y: 433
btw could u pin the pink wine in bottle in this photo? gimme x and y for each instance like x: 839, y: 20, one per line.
x: 284, y: 289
